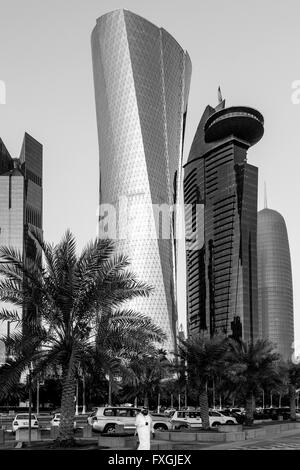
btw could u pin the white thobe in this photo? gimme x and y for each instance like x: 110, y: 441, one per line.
x: 144, y: 428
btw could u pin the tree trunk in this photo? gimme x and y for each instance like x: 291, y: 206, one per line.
x: 249, y: 409
x: 292, y: 393
x: 66, y: 428
x: 146, y: 401
x: 203, y: 399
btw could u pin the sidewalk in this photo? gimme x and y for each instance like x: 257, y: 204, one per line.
x: 159, y: 444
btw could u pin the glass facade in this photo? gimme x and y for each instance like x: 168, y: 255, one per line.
x: 275, y: 288
x: 142, y: 78
x: 20, y: 205
x: 220, y: 193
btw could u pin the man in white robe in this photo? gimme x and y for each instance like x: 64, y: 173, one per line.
x: 144, y: 428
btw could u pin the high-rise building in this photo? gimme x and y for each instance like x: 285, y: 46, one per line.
x: 21, y: 206
x: 220, y: 194
x: 142, y: 79
x: 275, y: 287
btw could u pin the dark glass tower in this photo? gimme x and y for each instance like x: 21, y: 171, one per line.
x: 275, y: 286
x: 21, y: 206
x: 220, y: 193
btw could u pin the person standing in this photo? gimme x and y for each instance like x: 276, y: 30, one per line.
x: 144, y: 428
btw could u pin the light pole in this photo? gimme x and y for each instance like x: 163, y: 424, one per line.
x: 263, y: 398
x: 76, y: 407
x: 83, y: 394
x: 271, y: 399
x: 37, y: 396
x: 109, y: 390
x: 30, y: 402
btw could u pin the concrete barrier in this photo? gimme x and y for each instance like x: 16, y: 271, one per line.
x: 211, y: 437
x: 118, y: 442
x: 183, y: 436
x: 164, y: 436
x: 230, y: 428
x: 87, y: 431
x: 54, y: 431
x: 272, y: 430
x: 23, y: 435
x: 235, y: 436
x: 260, y: 433
x: 161, y: 446
x: 250, y: 434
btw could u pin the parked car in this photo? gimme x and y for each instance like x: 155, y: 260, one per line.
x: 169, y: 411
x: 21, y: 421
x: 105, y: 419
x: 284, y: 412
x: 190, y: 419
x: 55, y: 421
x: 236, y: 410
x: 240, y: 417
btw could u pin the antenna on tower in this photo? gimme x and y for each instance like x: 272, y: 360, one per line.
x: 220, y: 98
x: 265, y: 195
x: 221, y: 101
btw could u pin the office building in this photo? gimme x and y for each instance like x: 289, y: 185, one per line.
x: 21, y: 206
x: 275, y: 287
x: 142, y: 77
x: 220, y: 193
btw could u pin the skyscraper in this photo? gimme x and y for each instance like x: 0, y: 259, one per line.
x: 220, y: 193
x: 142, y: 78
x: 275, y: 287
x: 21, y: 205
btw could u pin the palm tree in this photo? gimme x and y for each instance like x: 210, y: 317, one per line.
x: 72, y: 313
x: 252, y: 367
x: 292, y: 374
x: 204, y: 358
x: 145, y: 372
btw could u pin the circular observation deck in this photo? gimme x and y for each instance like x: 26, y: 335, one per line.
x: 244, y: 123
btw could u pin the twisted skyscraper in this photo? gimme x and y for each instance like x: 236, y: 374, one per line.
x: 142, y: 79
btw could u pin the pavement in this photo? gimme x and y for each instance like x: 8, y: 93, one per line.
x: 288, y: 440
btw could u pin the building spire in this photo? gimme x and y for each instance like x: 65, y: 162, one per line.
x: 221, y: 101
x: 220, y: 98
x: 265, y: 196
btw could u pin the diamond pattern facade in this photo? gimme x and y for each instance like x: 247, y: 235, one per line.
x: 142, y: 79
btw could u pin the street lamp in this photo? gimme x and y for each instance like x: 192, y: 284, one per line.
x: 30, y: 401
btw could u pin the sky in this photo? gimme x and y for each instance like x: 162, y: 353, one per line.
x: 251, y: 49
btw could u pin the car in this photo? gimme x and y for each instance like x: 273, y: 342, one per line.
x: 285, y: 412
x: 55, y: 421
x: 226, y: 412
x: 190, y: 419
x: 169, y: 411
x: 236, y: 410
x: 21, y: 421
x: 105, y: 419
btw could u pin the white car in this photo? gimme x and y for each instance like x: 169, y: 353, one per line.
x: 21, y: 421
x: 106, y: 418
x: 190, y: 419
x: 55, y: 421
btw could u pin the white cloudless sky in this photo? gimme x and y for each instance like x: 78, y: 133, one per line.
x: 250, y: 48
